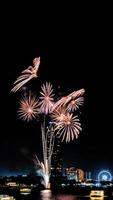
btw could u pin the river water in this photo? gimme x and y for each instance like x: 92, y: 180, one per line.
x: 47, y: 195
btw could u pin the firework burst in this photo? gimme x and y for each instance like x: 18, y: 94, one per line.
x: 28, y: 109
x: 68, y: 128
x: 59, y: 114
x: 74, y: 104
x: 67, y: 99
x: 27, y: 75
x: 46, y: 98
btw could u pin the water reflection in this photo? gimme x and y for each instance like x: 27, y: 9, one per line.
x: 6, y: 197
x: 46, y: 195
x: 66, y: 197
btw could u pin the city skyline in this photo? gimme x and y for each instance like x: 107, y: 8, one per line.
x: 69, y: 64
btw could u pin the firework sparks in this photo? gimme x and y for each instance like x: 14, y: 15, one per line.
x: 46, y: 98
x: 68, y: 128
x: 28, y: 108
x: 74, y: 104
x: 59, y: 114
x: 27, y: 75
x: 42, y: 170
x: 65, y: 100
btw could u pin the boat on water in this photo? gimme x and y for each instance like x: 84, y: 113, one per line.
x: 6, y: 197
x: 97, y: 193
x: 25, y: 191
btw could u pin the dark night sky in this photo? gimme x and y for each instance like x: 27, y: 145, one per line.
x: 75, y: 53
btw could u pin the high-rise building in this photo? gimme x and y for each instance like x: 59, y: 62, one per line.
x: 56, y: 162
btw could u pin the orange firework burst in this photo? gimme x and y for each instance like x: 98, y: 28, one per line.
x: 68, y: 128
x: 28, y: 108
x: 27, y: 75
x: 59, y: 114
x: 46, y: 98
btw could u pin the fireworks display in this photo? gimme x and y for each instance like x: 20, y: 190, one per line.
x: 68, y: 126
x: 64, y: 123
x: 27, y: 75
x: 28, y: 108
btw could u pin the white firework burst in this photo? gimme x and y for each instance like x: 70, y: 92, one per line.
x: 47, y: 100
x: 28, y: 109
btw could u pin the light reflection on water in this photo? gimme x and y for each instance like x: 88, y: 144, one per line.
x: 6, y: 197
x: 47, y: 195
x: 66, y: 197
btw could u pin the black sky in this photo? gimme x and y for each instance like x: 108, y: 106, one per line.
x: 75, y: 53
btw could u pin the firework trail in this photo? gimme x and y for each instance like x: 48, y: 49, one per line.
x: 44, y: 168
x: 27, y: 75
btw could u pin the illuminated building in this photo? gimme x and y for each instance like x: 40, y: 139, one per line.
x: 12, y: 184
x: 80, y: 175
x: 71, y: 173
x: 56, y: 163
x: 75, y: 174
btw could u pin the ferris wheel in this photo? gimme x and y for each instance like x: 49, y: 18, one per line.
x: 104, y: 175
